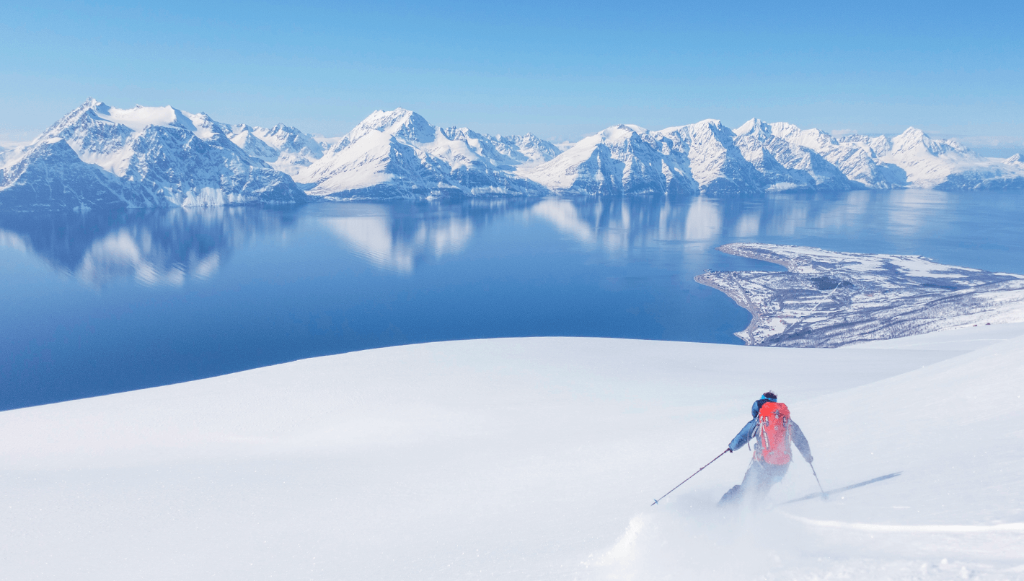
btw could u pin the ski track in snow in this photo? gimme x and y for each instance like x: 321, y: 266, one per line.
x: 876, y: 528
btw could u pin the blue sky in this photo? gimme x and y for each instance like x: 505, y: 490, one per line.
x: 560, y: 70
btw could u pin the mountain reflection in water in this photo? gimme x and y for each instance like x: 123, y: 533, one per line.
x: 143, y: 298
x: 152, y: 247
x: 171, y: 246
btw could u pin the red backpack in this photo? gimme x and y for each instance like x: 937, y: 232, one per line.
x: 773, y: 433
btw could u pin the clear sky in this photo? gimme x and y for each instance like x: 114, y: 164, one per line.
x: 560, y: 70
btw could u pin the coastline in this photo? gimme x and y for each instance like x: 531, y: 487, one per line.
x: 831, y: 299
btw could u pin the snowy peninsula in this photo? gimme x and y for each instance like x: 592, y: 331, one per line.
x: 533, y: 458
x: 829, y: 299
x: 101, y: 156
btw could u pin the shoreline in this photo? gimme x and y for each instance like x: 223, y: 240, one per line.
x: 831, y: 299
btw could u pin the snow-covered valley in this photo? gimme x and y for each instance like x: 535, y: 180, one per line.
x: 101, y: 156
x: 829, y: 299
x: 529, y: 458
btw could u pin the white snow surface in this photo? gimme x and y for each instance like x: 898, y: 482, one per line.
x: 531, y: 458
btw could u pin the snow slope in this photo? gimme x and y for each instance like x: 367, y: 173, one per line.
x: 528, y: 459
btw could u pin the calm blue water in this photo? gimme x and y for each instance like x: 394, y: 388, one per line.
x: 102, y: 303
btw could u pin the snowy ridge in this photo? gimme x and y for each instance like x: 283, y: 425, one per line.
x: 829, y: 299
x: 162, y: 156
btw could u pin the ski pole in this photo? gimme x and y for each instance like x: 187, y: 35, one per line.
x: 691, y: 476
x: 824, y: 495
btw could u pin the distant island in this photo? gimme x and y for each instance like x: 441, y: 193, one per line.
x: 830, y: 299
x: 100, y: 156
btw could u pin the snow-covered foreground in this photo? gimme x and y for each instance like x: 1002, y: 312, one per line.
x: 529, y: 459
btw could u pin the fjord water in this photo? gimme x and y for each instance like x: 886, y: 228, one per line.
x: 101, y: 303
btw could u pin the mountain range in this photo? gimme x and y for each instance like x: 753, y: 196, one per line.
x: 101, y: 156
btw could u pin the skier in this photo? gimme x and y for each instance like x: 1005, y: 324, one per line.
x: 772, y: 431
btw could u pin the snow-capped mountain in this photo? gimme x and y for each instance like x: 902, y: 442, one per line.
x: 759, y: 156
x: 855, y: 156
x: 52, y: 176
x: 623, y: 159
x: 717, y: 163
x: 627, y: 159
x: 784, y: 164
x: 399, y: 154
x: 99, y: 155
x: 945, y: 164
x: 284, y: 148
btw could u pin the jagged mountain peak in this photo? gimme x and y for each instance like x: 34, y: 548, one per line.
x: 755, y: 127
x: 619, y: 133
x: 138, y: 118
x: 398, y: 153
x: 140, y: 157
x: 916, y: 139
x: 464, y: 133
x: 281, y: 128
x: 812, y: 138
x: 92, y: 114
x: 710, y: 124
x: 705, y: 126
x: 911, y: 137
x: 398, y: 122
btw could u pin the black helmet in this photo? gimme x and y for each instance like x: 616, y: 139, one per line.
x: 766, y: 396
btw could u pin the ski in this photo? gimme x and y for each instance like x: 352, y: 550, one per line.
x: 843, y: 489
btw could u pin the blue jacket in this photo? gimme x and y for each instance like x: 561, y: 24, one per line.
x: 795, y: 433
